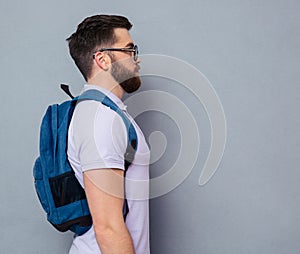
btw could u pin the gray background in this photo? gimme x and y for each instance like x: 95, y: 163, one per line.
x: 249, y: 50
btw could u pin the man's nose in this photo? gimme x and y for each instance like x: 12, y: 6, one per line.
x: 138, y: 60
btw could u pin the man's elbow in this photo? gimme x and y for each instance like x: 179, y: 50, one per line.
x: 110, y: 234
x: 106, y: 230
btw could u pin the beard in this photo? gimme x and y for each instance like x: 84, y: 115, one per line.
x: 128, y: 80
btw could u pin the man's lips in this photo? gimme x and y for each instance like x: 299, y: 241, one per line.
x: 137, y: 69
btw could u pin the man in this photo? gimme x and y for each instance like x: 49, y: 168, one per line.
x: 105, y: 54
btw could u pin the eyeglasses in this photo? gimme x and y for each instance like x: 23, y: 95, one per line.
x: 134, y: 49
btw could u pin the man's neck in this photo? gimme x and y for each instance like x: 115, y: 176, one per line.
x: 109, y: 85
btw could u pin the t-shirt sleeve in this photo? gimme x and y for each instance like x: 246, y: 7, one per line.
x: 100, y: 136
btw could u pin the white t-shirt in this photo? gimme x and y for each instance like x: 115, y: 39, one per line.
x: 97, y: 138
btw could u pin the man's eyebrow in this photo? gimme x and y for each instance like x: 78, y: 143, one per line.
x: 130, y: 44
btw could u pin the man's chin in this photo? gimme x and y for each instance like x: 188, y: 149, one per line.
x: 131, y: 85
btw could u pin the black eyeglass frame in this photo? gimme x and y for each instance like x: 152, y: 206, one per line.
x: 134, y: 49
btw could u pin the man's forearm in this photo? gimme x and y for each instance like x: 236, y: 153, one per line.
x: 115, y: 241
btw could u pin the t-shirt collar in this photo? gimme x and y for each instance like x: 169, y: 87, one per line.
x: 108, y: 93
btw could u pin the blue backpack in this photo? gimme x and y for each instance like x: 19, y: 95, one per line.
x: 58, y: 190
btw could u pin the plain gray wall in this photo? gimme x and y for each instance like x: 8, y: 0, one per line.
x: 249, y: 50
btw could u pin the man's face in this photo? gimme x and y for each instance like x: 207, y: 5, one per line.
x: 124, y: 69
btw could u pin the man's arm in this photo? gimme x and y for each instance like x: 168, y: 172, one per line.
x: 105, y: 194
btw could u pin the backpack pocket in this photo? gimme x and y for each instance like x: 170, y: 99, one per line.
x: 66, y: 189
x: 40, y: 186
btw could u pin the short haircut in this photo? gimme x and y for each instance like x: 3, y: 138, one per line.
x: 92, y: 33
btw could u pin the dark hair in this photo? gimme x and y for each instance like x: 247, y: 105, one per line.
x: 92, y: 33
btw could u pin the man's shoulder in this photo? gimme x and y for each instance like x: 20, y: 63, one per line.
x: 93, y: 108
x: 94, y: 113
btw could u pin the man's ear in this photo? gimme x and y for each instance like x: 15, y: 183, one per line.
x: 102, y: 60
